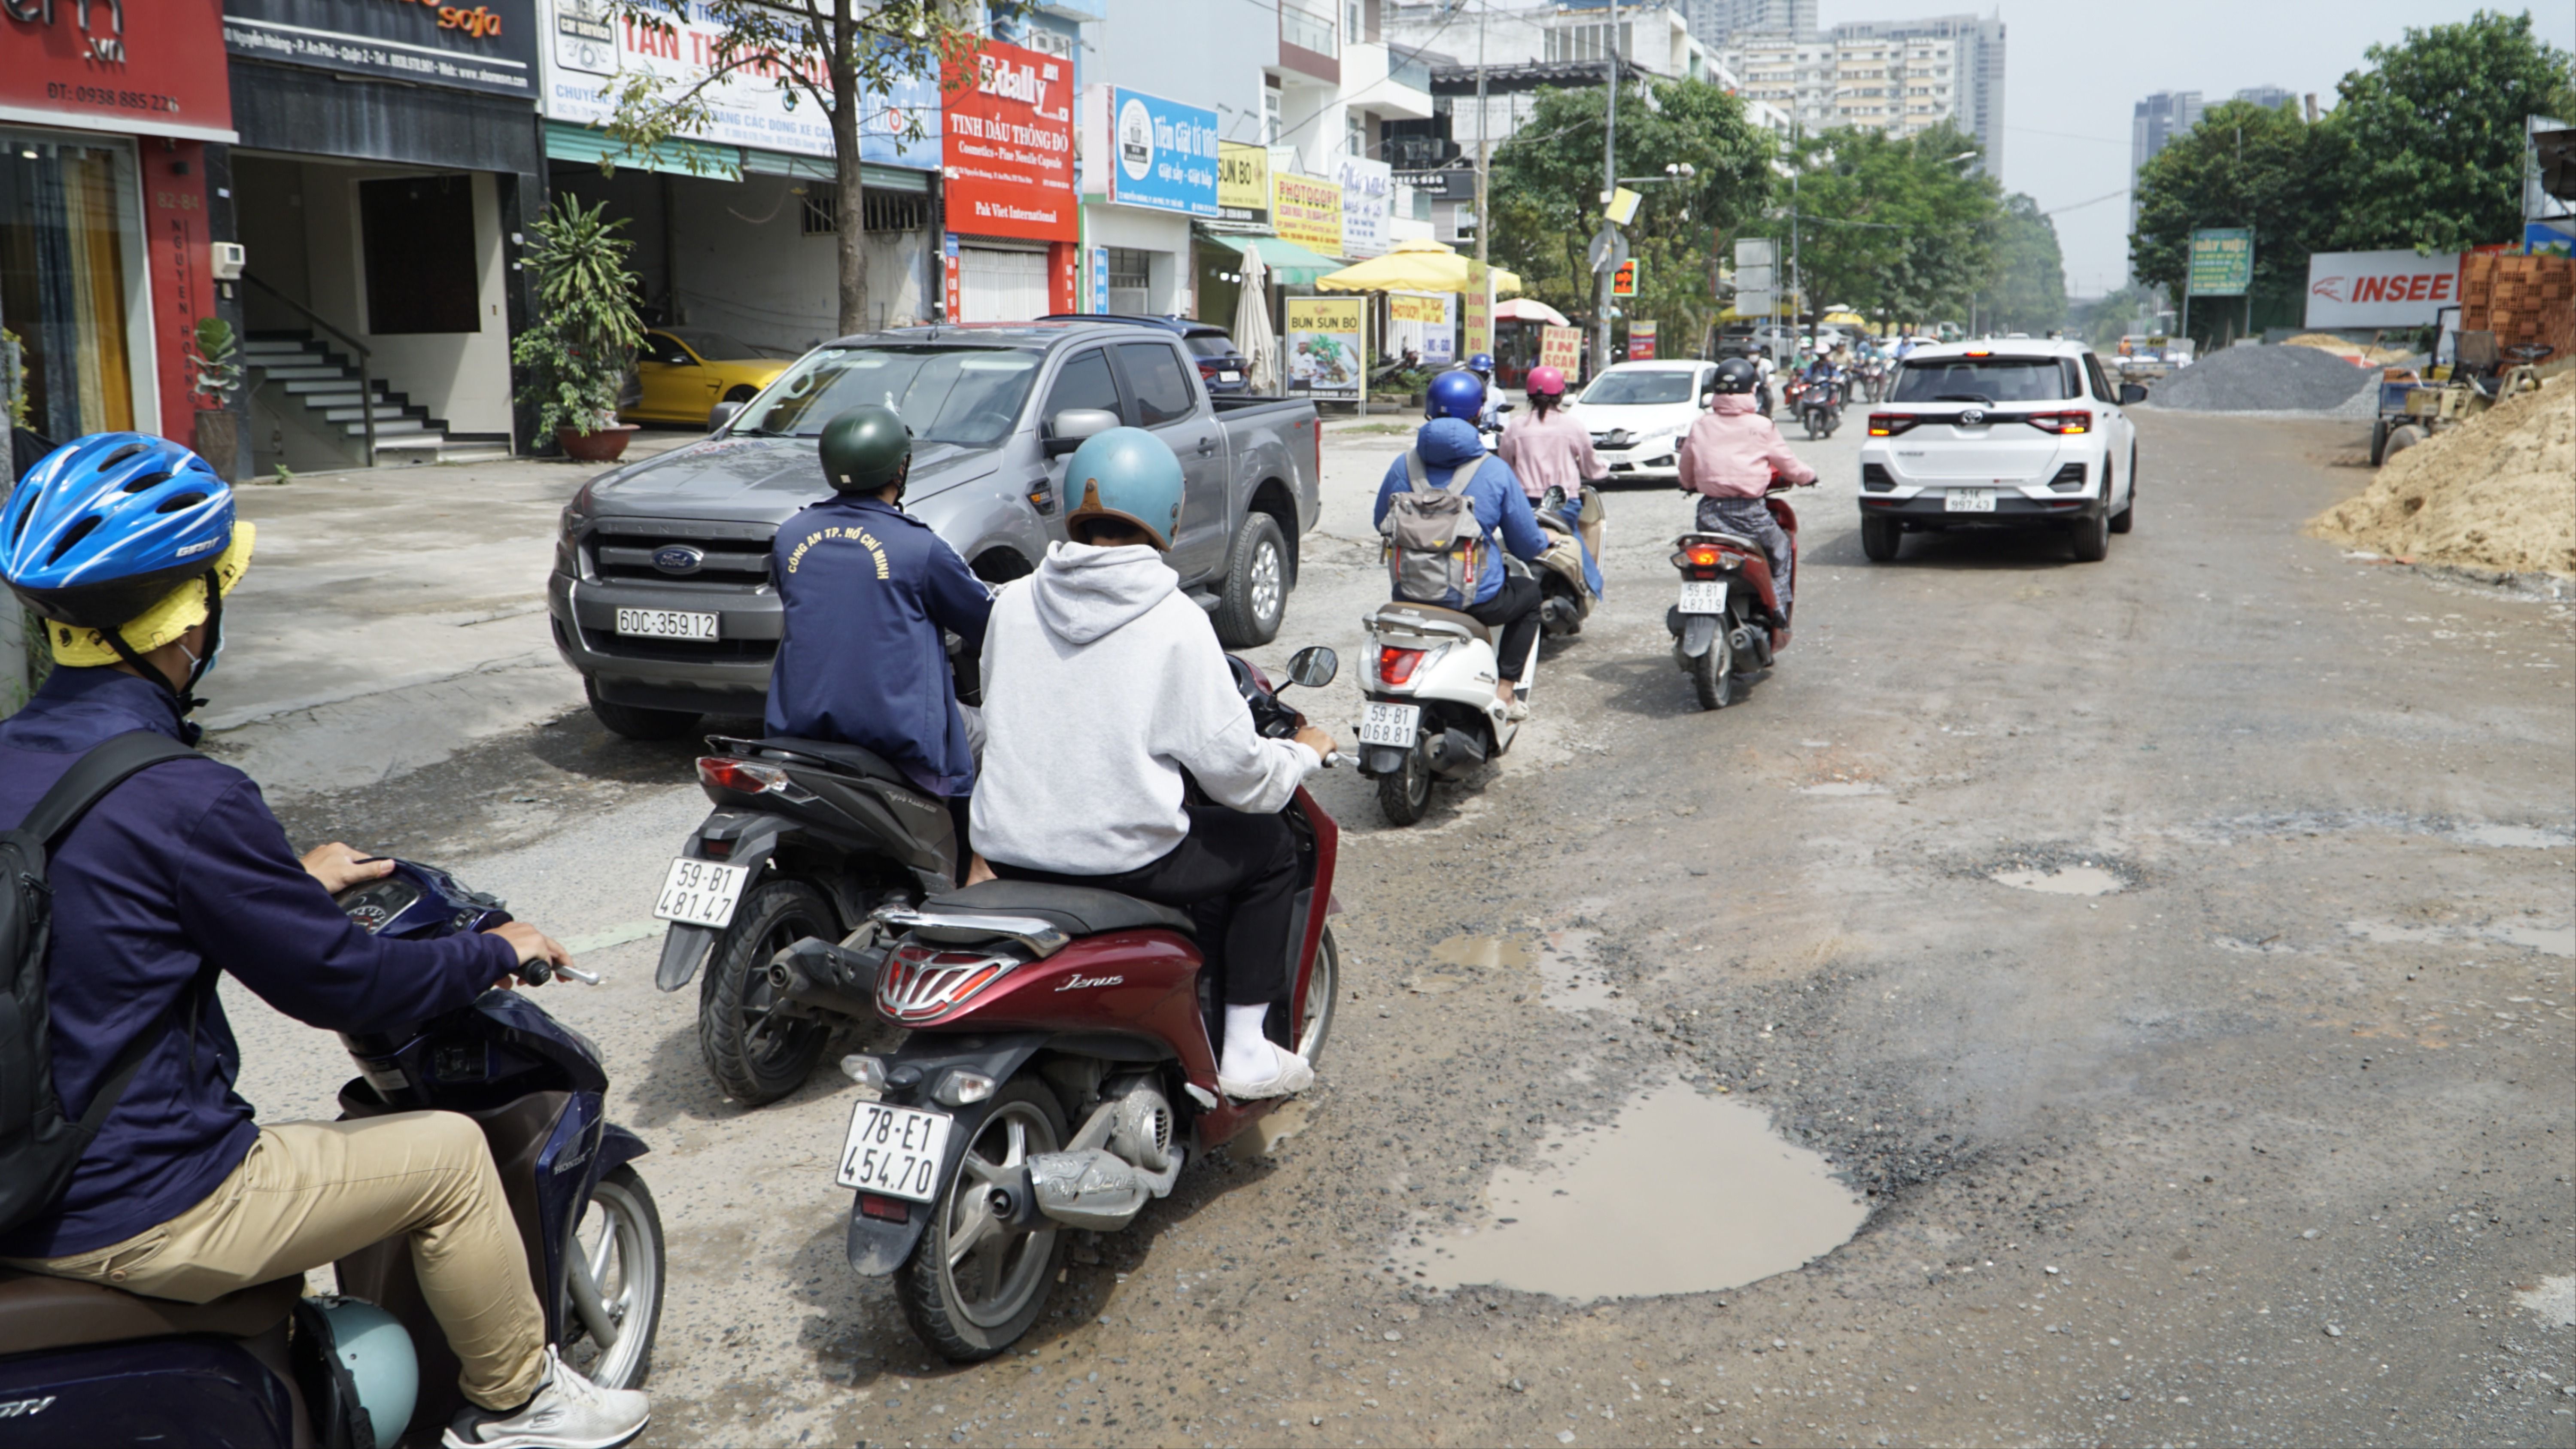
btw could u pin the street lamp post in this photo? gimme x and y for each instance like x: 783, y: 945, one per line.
x: 1609, y: 183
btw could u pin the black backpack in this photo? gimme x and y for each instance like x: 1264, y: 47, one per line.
x: 39, y: 1146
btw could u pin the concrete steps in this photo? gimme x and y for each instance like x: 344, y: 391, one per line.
x: 325, y: 384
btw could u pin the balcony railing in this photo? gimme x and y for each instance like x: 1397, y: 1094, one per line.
x: 1306, y: 29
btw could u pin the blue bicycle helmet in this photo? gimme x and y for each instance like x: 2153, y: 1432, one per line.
x: 1454, y: 395
x: 104, y: 526
x: 1127, y: 474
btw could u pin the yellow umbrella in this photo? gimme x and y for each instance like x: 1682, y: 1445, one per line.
x: 1417, y: 265
x: 1846, y: 319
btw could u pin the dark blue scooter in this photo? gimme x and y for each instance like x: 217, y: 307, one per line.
x: 82, y: 1364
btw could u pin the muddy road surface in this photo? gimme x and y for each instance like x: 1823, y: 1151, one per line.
x: 2064, y: 1003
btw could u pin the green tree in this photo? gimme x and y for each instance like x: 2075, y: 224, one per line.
x: 2432, y: 134
x: 1545, y: 195
x: 2244, y: 165
x: 843, y: 55
x: 2026, y: 291
x: 1899, y: 229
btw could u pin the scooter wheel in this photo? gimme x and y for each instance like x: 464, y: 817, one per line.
x: 614, y: 1260
x: 1712, y: 672
x: 1405, y: 796
x: 755, y: 1054
x: 974, y: 1285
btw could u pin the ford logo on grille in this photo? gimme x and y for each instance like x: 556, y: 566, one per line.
x: 679, y: 558
x: 1973, y: 418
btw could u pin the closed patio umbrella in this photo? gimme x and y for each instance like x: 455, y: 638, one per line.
x: 1252, y: 334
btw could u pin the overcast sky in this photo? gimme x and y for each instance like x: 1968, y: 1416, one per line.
x: 2076, y: 69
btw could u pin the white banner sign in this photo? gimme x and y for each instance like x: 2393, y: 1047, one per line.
x: 2380, y: 289
x: 1368, y: 190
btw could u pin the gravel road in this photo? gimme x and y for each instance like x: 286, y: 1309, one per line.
x: 2258, y: 1144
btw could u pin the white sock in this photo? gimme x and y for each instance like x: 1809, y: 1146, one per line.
x: 1247, y: 1051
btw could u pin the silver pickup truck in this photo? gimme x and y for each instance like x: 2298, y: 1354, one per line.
x: 662, y: 595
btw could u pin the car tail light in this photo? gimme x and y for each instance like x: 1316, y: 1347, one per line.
x: 720, y: 772
x: 920, y: 982
x: 1395, y: 666
x: 1888, y: 425
x: 2063, y: 424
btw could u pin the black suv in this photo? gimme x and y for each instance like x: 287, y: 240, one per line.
x: 1221, y: 368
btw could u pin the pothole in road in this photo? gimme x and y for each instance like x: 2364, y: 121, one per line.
x: 2548, y: 940
x: 1683, y: 1193
x: 2084, y: 879
x: 1843, y: 787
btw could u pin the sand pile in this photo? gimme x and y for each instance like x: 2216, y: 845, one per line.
x: 2496, y: 492
x: 2328, y: 342
x: 2263, y: 380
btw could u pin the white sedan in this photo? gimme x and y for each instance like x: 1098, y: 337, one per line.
x: 1638, y: 411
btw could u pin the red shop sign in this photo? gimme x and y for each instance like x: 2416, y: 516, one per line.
x: 140, y: 69
x: 1007, y: 143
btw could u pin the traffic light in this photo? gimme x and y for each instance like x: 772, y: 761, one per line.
x: 1623, y: 279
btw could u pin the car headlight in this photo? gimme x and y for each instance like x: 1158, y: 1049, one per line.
x: 576, y: 515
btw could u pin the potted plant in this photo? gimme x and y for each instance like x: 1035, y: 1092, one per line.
x: 577, y: 359
x: 215, y: 374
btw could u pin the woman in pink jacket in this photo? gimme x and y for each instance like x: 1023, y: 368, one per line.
x: 1547, y: 449
x: 1728, y: 459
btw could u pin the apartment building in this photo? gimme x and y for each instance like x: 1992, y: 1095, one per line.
x: 1715, y: 20
x: 1897, y: 86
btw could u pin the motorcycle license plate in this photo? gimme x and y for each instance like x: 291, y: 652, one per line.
x: 1968, y: 500
x: 1390, y: 724
x: 1703, y: 596
x: 701, y: 892
x: 896, y: 1151
x: 667, y: 624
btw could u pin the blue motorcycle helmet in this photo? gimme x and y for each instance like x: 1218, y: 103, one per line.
x: 1454, y: 395
x: 1482, y: 364
x: 124, y: 542
x: 1129, y: 475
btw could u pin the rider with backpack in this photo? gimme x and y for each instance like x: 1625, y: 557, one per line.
x: 1447, y: 510
x: 126, y: 1158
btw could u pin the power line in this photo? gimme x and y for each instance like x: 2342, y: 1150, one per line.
x: 2080, y: 205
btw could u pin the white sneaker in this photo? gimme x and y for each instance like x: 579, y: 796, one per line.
x: 568, y: 1412
x: 1289, y: 1075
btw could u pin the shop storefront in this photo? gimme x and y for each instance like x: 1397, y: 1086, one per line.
x: 106, y: 231
x: 736, y: 226
x: 1149, y: 170
x: 386, y: 172
x: 1013, y: 227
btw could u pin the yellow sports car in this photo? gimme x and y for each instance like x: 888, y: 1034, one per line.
x: 686, y: 371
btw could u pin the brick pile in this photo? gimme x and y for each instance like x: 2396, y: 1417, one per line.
x: 2521, y: 300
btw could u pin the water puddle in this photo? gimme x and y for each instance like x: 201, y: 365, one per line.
x: 1278, y: 1126
x: 1570, y: 980
x: 1843, y: 787
x: 1484, y: 953
x: 1683, y: 1193
x: 2549, y: 940
x: 2087, y: 879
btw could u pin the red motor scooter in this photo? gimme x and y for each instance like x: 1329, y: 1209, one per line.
x: 1059, y: 1069
x: 1729, y: 624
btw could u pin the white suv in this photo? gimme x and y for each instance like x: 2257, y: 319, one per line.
x: 2001, y: 434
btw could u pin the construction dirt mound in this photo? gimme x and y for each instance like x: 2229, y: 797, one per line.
x: 2496, y: 492
x: 2263, y: 380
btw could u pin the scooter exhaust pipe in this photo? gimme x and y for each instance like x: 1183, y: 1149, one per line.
x: 1096, y: 1188
x: 815, y: 972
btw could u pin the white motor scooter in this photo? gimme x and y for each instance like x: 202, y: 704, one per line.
x: 1431, y: 711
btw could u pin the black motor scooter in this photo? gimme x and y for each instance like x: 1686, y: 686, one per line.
x: 83, y: 1364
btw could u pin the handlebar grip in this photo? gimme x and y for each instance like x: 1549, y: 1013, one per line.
x: 1332, y: 759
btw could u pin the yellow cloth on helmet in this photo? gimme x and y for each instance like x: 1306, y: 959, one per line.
x: 180, y: 610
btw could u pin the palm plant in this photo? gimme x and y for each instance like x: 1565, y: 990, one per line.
x: 578, y: 356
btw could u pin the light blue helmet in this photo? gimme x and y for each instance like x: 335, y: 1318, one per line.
x: 1126, y: 474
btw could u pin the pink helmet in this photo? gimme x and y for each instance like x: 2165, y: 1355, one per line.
x: 1544, y: 382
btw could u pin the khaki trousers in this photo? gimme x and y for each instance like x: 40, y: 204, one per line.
x: 311, y: 1192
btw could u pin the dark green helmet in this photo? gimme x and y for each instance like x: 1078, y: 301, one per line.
x: 865, y: 449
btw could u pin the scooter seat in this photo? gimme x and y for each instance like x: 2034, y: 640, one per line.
x: 1074, y: 910
x: 37, y: 1312
x: 1404, y: 613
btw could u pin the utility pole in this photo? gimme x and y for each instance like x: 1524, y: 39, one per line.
x: 1797, y: 274
x: 1483, y: 226
x: 1609, y: 184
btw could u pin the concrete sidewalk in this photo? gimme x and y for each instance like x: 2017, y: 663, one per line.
x: 393, y: 616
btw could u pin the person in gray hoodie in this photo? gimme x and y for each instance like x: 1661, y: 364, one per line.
x: 1102, y: 683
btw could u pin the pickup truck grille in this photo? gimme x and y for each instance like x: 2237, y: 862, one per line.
x: 617, y: 553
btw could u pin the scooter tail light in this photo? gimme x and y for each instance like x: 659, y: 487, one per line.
x: 921, y: 982
x: 884, y: 1209
x: 1704, y: 556
x: 1395, y: 666
x: 723, y: 772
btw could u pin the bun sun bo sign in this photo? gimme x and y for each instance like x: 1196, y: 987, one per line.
x: 2381, y: 289
x: 1007, y: 144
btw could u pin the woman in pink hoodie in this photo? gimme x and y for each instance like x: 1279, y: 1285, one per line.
x: 1728, y: 459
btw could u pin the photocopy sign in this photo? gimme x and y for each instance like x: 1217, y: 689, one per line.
x: 2222, y: 262
x: 2380, y: 289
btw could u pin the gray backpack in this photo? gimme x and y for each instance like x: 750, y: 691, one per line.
x: 1431, y: 537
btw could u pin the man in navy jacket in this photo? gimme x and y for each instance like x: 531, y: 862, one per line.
x: 182, y: 875
x: 867, y: 590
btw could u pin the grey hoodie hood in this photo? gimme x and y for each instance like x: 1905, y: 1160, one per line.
x: 1082, y: 593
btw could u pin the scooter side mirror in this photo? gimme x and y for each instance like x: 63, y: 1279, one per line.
x: 1313, y: 667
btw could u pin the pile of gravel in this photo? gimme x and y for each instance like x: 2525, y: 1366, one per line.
x: 2263, y: 380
